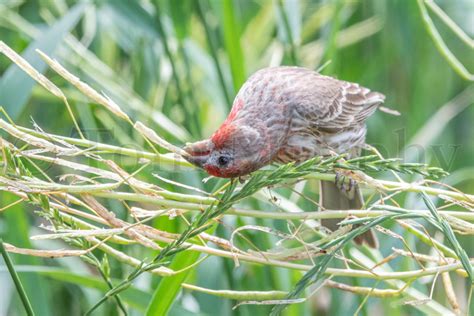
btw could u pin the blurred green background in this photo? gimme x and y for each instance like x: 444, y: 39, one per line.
x: 184, y: 90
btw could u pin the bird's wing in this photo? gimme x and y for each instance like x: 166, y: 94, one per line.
x: 317, y: 100
x: 335, y: 104
x: 352, y: 105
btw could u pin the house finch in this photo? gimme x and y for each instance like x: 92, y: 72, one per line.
x: 284, y: 114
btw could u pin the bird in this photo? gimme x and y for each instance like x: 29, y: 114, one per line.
x: 291, y: 114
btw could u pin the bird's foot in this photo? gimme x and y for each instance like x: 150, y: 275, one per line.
x: 346, y: 184
x: 242, y: 179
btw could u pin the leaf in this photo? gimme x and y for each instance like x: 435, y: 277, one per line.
x: 232, y: 43
x: 128, y: 23
x: 441, y: 46
x: 15, y: 90
x: 15, y: 85
x: 293, y: 9
x: 19, y: 286
x: 18, y: 231
x: 449, y: 234
x: 180, y: 12
x: 169, y: 287
x: 134, y: 297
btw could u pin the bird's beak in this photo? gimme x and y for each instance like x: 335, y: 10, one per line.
x: 198, y: 153
x: 198, y: 161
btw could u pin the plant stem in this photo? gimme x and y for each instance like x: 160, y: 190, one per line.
x: 238, y: 295
x: 407, y: 187
x: 16, y: 280
x: 169, y: 160
x: 338, y: 214
x: 450, y: 23
x: 289, y: 34
x: 213, y: 51
x: 138, y: 154
x: 443, y: 49
x: 192, y: 119
x: 331, y: 41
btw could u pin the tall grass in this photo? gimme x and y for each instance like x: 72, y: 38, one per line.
x: 98, y: 213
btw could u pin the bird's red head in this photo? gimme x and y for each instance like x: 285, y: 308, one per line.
x: 230, y: 152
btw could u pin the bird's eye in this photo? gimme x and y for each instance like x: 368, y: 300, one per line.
x: 223, y: 161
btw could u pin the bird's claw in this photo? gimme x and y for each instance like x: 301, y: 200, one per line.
x: 242, y: 179
x: 345, y: 184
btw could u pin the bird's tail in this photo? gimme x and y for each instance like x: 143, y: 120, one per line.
x: 332, y: 198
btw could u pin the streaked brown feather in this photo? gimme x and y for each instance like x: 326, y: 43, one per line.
x: 314, y: 106
x: 289, y: 114
x: 328, y: 115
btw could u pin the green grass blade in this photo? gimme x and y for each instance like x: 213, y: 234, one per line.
x: 316, y: 274
x: 213, y: 51
x: 16, y: 280
x: 132, y: 14
x: 451, y: 24
x: 134, y: 297
x: 232, y: 43
x: 289, y: 28
x: 449, y: 234
x: 17, y: 223
x: 191, y: 116
x: 15, y: 85
x: 331, y: 42
x: 169, y: 287
x: 443, y: 49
